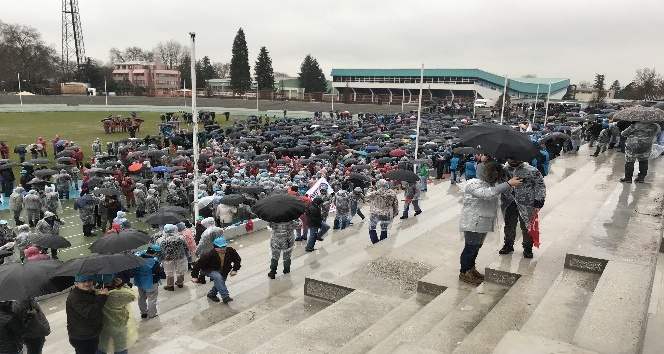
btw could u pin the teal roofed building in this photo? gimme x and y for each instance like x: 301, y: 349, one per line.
x: 395, y: 85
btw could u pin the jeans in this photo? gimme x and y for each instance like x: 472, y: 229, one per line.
x: 341, y: 219
x: 313, y: 235
x: 355, y: 209
x: 423, y: 182
x: 512, y: 217
x: 470, y: 251
x: 147, y: 300
x: 34, y: 345
x: 63, y: 194
x: 455, y: 176
x: 406, y: 206
x: 85, y: 346
x: 219, y: 286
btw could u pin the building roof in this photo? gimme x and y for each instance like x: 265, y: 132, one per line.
x: 525, y: 85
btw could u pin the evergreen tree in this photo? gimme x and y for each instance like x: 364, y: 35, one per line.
x: 311, y: 76
x: 599, y: 88
x: 240, y: 74
x: 615, y: 86
x: 185, y: 71
x: 204, y: 72
x: 263, y: 70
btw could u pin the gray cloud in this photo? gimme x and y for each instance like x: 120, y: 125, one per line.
x: 564, y: 38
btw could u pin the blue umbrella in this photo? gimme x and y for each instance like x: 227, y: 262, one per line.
x: 161, y: 169
x: 372, y: 148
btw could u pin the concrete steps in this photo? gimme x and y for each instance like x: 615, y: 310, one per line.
x: 331, y: 328
x: 519, y: 342
x: 653, y: 342
x: 558, y: 315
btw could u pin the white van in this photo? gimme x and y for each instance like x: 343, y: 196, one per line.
x: 480, y: 102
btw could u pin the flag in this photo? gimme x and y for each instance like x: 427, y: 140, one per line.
x: 533, y: 229
x: 320, y: 184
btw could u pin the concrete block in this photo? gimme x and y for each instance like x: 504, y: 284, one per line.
x: 240, y: 230
x: 518, y: 342
x: 410, y: 348
x: 615, y: 319
x: 325, y: 291
x: 585, y: 264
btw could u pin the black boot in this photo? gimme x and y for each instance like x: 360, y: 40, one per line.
x: 528, y: 252
x: 287, y: 266
x: 373, y: 235
x: 273, y: 268
x: 335, y: 226
x: 506, y: 249
x: 383, y: 235
x: 404, y: 216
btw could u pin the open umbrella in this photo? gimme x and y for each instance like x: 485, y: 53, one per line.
x: 174, y: 209
x: 50, y: 241
x: 125, y: 240
x: 100, y: 264
x: 358, y: 177
x: 205, y: 201
x: 498, y: 141
x: 180, y: 159
x: 45, y: 173
x: 133, y: 154
x: 640, y: 114
x: 161, y: 169
x: 155, y: 153
x: 397, y: 153
x: 40, y: 161
x: 252, y: 189
x: 135, y: 167
x: 6, y: 166
x: 402, y: 175
x: 279, y: 208
x: 556, y: 135
x: 36, y: 181
x: 65, y: 159
x: 24, y: 281
x: 361, y: 167
x: 163, y: 218
x: 233, y: 199
x: 466, y: 150
x: 384, y: 160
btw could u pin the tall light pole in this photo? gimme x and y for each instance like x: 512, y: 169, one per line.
x: 546, y: 109
x: 502, y: 108
x: 194, y: 121
x: 105, y: 91
x: 535, y: 110
x: 184, y: 91
x: 256, y: 95
x: 419, y: 114
x: 19, y: 89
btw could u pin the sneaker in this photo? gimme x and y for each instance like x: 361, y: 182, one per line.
x: 639, y: 180
x: 213, y: 298
x: 418, y: 212
x: 404, y: 217
x: 144, y: 315
x: 506, y: 249
x: 309, y: 250
x: 320, y: 239
x: 476, y: 273
x: 527, y: 253
x: 227, y: 299
x: 470, y: 278
x: 169, y: 288
x: 626, y: 180
x: 299, y: 239
x: 180, y: 286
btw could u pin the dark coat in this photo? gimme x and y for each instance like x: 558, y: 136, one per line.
x: 210, y: 261
x: 314, y: 215
x: 84, y: 316
x: 11, y: 330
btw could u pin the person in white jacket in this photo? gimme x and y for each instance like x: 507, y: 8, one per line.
x: 478, y: 215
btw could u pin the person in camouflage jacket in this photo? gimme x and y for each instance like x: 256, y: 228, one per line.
x: 32, y: 203
x: 383, y: 207
x: 342, y: 201
x: 282, y: 242
x: 640, y: 137
x: 174, y: 253
x: 140, y: 195
x: 16, y: 204
x: 51, y: 201
x: 86, y: 210
x: 50, y: 225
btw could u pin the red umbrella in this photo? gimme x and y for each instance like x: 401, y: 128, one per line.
x: 135, y: 167
x: 397, y: 153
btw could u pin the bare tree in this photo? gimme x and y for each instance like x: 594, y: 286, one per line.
x: 169, y: 53
x: 23, y: 50
x: 130, y: 54
x: 221, y: 69
x: 584, y: 84
x: 115, y: 55
x: 649, y: 84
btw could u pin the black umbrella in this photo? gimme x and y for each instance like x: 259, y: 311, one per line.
x: 40, y: 161
x: 498, y: 141
x: 50, y: 241
x: 64, y: 159
x: 24, y: 281
x: 36, y: 180
x: 361, y: 167
x: 402, y: 175
x: 125, y: 240
x: 163, y: 218
x: 180, y: 159
x: 155, y: 153
x: 6, y: 166
x: 106, y: 191
x: 262, y: 157
x: 233, y: 199
x: 556, y: 135
x: 384, y: 160
x: 101, y: 264
x: 323, y: 157
x: 174, y: 209
x: 358, y: 177
x: 252, y: 189
x: 466, y: 150
x: 45, y: 173
x: 279, y: 208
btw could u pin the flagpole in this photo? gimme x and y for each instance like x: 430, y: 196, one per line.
x: 474, y: 103
x: 194, y: 120
x: 105, y: 91
x: 184, y: 91
x: 535, y: 110
x: 19, y: 90
x: 419, y: 114
x: 502, y: 108
x: 546, y: 109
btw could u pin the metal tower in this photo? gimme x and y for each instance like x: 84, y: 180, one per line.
x: 72, y: 36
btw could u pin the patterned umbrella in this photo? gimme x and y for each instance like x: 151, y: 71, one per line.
x: 640, y: 114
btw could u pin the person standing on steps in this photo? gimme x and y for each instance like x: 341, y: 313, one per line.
x: 384, y: 206
x: 480, y: 209
x: 520, y: 203
x: 218, y: 264
x: 423, y: 173
x: 84, y: 314
x: 282, y: 242
x: 317, y: 227
x: 411, y: 196
x: 640, y: 137
x: 174, y: 253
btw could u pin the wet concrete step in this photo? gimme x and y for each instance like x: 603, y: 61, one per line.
x: 421, y: 322
x: 558, y: 315
x: 453, y: 329
x: 380, y: 330
x: 254, y: 334
x: 519, y: 342
x: 653, y: 341
x: 410, y: 348
x: 615, y: 319
x: 331, y: 328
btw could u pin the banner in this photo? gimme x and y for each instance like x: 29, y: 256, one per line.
x: 320, y: 184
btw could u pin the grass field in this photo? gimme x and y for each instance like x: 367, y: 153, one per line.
x: 81, y: 127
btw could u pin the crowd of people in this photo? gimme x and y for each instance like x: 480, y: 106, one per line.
x: 334, y: 166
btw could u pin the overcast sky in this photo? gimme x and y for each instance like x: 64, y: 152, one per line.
x: 563, y: 38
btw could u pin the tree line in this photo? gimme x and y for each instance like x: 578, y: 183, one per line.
x: 22, y: 50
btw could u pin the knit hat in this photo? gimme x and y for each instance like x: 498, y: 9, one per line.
x: 170, y: 228
x: 181, y: 226
x: 83, y: 278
